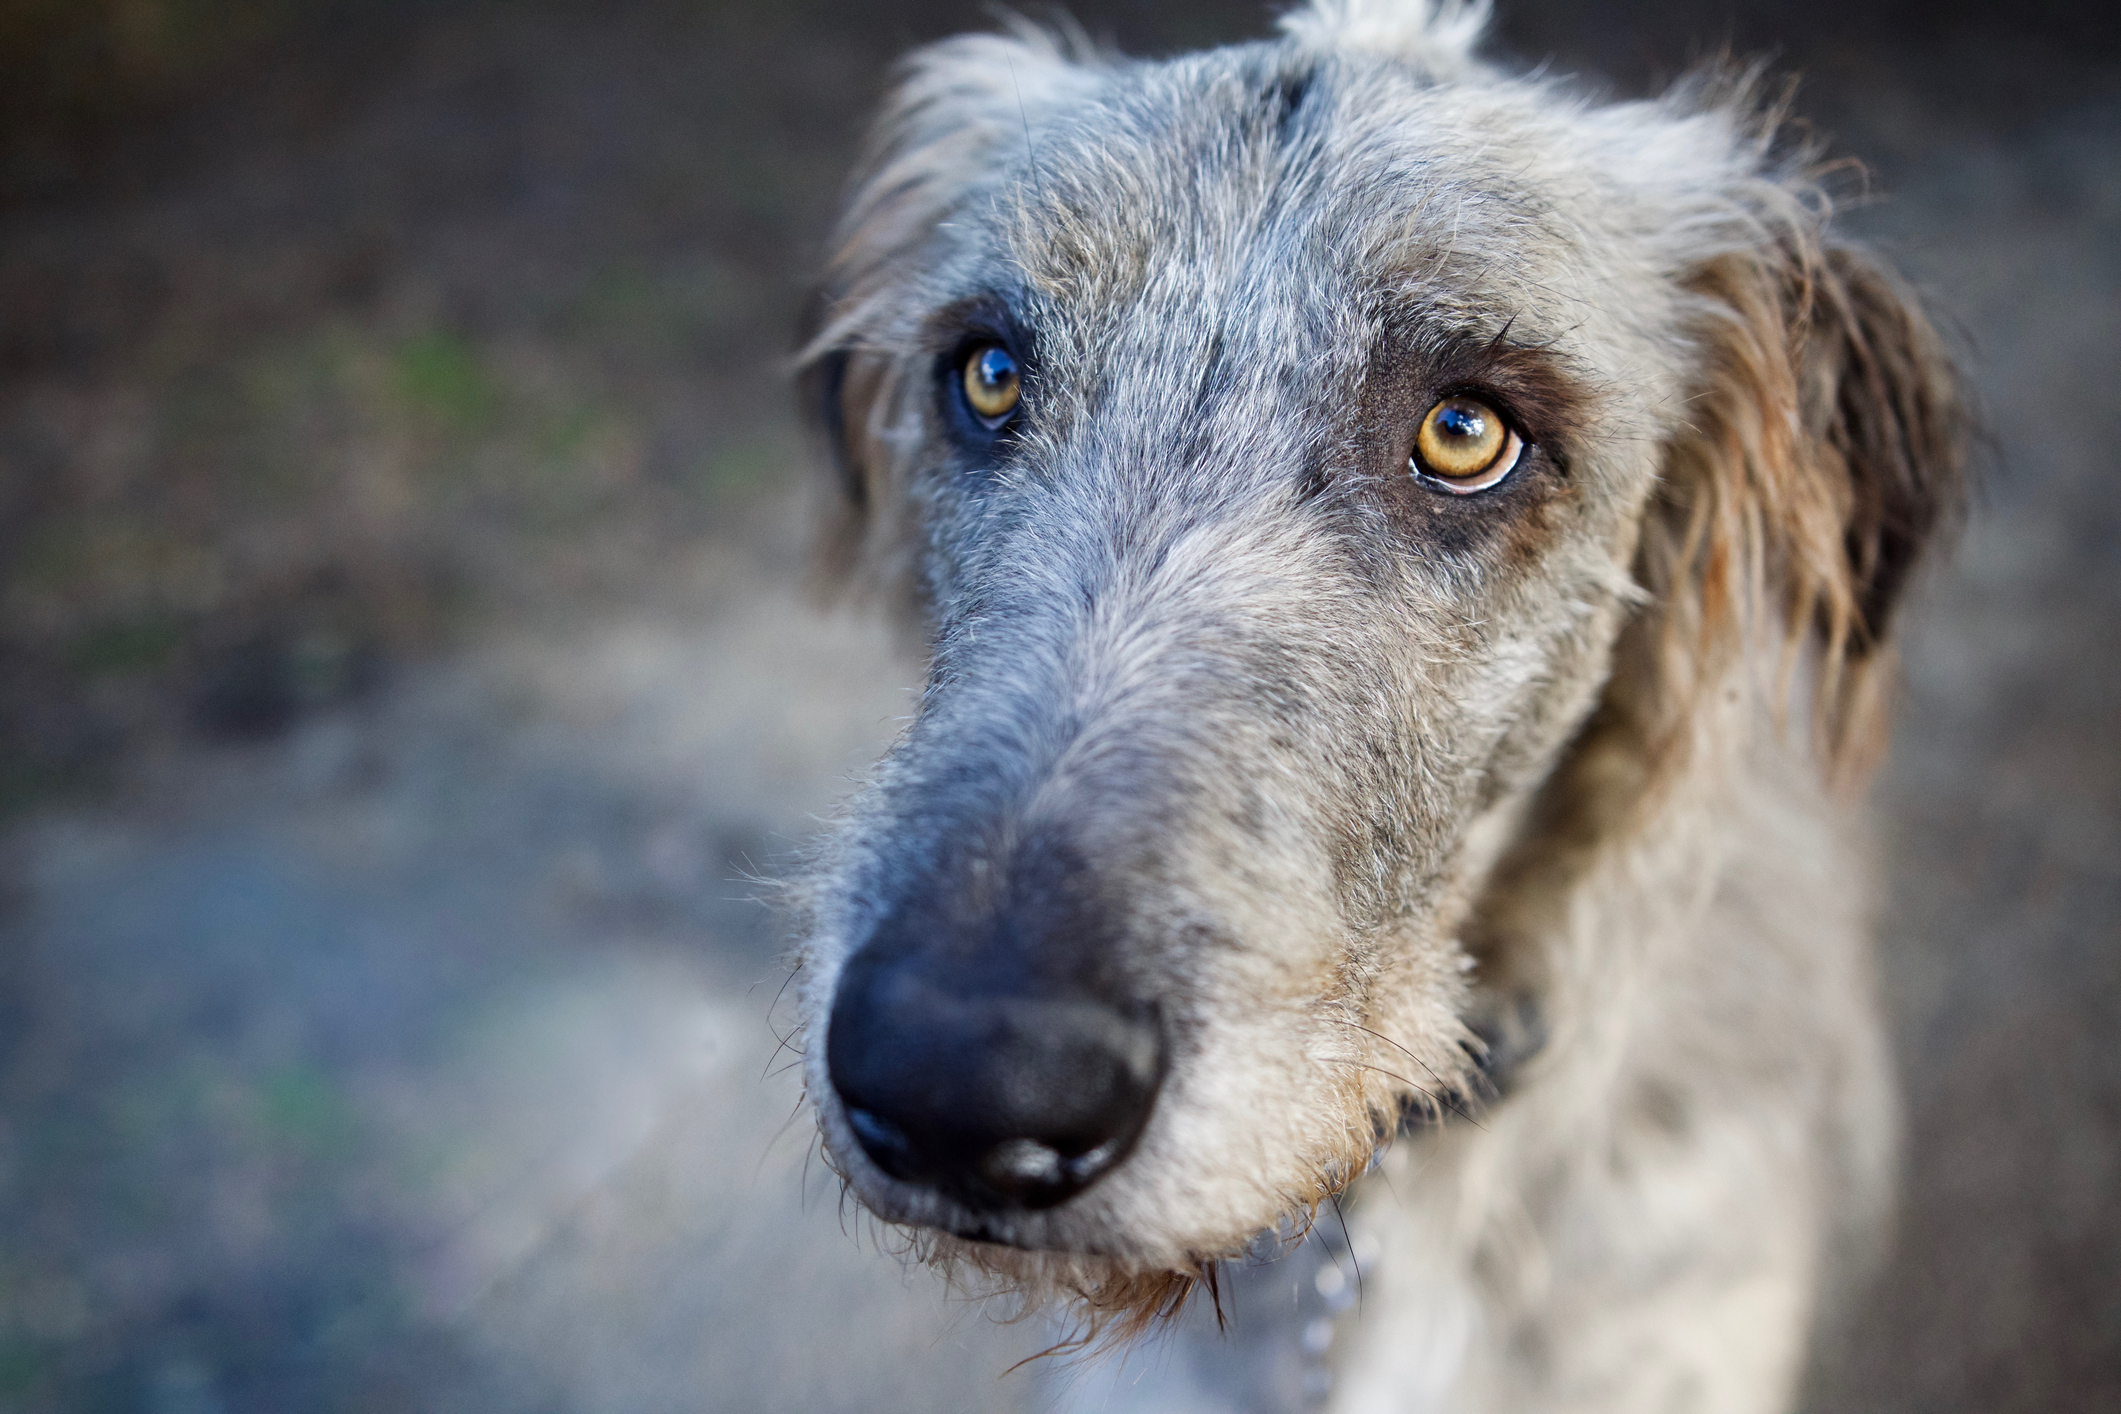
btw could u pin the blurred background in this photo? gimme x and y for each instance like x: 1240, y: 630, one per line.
x: 406, y: 674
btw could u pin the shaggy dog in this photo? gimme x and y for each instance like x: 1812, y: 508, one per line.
x: 1405, y: 556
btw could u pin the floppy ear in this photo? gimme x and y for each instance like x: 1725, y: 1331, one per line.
x: 1823, y: 452
x: 958, y: 117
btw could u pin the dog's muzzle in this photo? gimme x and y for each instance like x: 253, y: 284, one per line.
x: 974, y: 1067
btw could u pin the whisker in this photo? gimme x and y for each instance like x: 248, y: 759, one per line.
x: 783, y: 1041
x: 1448, y: 1088
x: 786, y: 1125
x: 1443, y: 1102
x: 1353, y: 1260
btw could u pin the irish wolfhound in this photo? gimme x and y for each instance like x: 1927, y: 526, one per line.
x: 1405, y: 555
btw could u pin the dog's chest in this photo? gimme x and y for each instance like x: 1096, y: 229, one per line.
x: 1360, y: 1317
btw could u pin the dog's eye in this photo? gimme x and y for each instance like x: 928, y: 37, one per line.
x: 1465, y: 446
x: 992, y: 385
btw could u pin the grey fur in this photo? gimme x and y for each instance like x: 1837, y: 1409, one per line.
x: 1363, y: 764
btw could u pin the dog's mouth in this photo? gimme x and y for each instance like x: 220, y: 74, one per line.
x: 993, y: 1233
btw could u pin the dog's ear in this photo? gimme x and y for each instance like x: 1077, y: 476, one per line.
x: 1823, y: 451
x: 1435, y: 36
x: 958, y: 115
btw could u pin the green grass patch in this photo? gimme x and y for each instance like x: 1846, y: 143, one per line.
x: 440, y: 374
x: 303, y: 1113
x: 740, y: 470
x: 23, y: 1366
x: 134, y: 646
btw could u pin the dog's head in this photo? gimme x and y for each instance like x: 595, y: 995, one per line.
x: 1288, y: 450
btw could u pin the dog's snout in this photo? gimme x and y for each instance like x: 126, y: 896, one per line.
x: 1010, y: 1096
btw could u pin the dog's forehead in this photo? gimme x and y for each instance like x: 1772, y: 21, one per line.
x: 1228, y: 186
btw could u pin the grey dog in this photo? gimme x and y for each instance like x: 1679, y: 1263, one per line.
x: 1405, y: 556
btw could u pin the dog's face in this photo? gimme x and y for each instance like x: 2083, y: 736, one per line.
x: 1269, y: 439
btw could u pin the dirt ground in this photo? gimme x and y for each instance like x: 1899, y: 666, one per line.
x: 407, y: 687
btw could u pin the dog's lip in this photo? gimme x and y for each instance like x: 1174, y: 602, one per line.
x: 945, y: 1213
x: 982, y: 1232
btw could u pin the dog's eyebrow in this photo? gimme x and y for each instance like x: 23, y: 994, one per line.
x: 1539, y: 383
x: 990, y: 310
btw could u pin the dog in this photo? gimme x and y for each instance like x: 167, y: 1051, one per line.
x: 1405, y: 556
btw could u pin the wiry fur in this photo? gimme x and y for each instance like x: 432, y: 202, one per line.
x: 1375, y: 773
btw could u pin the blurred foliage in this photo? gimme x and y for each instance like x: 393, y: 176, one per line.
x: 330, y: 328
x: 280, y: 515
x: 95, y: 53
x: 285, y: 399
x: 439, y: 374
x: 71, y: 69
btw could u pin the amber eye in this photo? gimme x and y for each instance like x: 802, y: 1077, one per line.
x: 1465, y: 445
x: 992, y: 387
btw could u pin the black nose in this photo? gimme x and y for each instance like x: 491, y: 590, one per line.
x: 1007, y: 1093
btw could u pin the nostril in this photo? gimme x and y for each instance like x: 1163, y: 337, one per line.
x: 884, y: 1142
